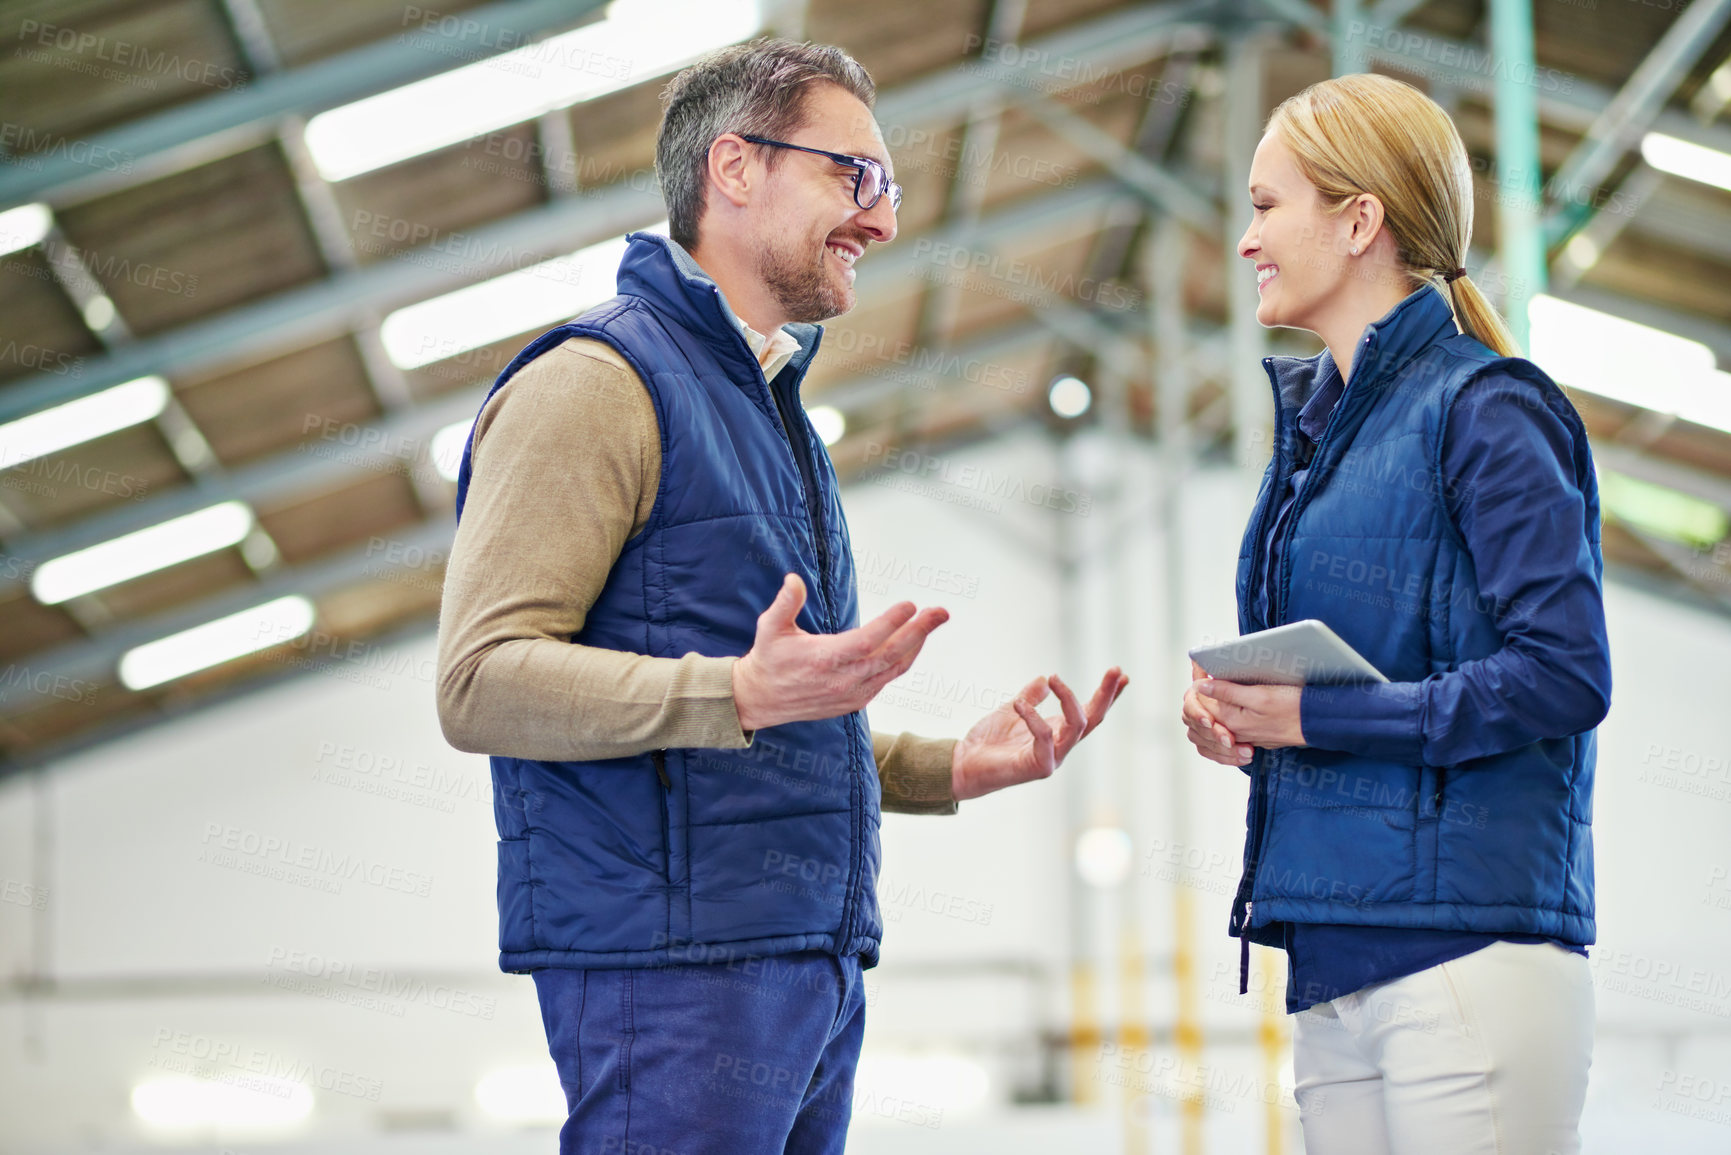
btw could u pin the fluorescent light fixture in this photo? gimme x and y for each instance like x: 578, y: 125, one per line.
x: 176, y: 1102
x: 638, y: 40
x: 82, y: 420
x: 829, y: 422
x: 141, y: 552
x: 213, y: 643
x: 531, y: 298
x: 1582, y: 251
x: 447, y: 448
x: 1720, y: 83
x: 1103, y: 856
x: 1069, y: 397
x: 523, y: 1094
x: 24, y: 226
x: 909, y: 1088
x: 1689, y: 161
x: 99, y: 312
x: 1628, y: 362
x: 1662, y: 511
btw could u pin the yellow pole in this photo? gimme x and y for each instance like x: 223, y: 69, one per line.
x: 1187, y: 1029
x: 1133, y: 1033
x: 1273, y: 1038
x: 1084, y: 1030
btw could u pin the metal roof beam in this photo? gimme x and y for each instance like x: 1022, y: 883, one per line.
x: 95, y: 659
x: 1714, y: 488
x: 1451, y: 62
x: 1089, y: 50
x: 342, y: 451
x: 1080, y: 54
x: 318, y: 312
x: 158, y: 144
x: 1575, y: 106
x: 966, y: 189
x: 400, y: 439
x: 1150, y: 181
x: 1390, y: 13
x: 1631, y: 112
x: 1005, y: 343
x: 1299, y: 12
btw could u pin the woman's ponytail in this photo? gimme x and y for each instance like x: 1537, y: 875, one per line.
x: 1478, y: 320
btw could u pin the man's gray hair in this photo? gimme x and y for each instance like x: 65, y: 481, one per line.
x: 758, y: 88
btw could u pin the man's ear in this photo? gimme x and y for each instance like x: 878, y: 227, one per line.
x: 730, y: 169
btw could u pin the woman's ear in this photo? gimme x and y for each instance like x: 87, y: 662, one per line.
x: 1364, y: 218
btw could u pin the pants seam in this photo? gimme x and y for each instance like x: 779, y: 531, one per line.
x: 577, y: 1032
x: 841, y: 994
x: 1469, y: 1021
x: 627, y: 1035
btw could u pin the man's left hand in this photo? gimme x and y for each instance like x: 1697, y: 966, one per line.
x: 1265, y: 716
x: 1014, y: 744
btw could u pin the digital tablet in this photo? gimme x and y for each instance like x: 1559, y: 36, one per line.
x: 1291, y: 655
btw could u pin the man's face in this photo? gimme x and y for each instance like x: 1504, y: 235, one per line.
x: 808, y: 230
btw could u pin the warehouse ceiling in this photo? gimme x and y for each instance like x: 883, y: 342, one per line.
x: 184, y: 252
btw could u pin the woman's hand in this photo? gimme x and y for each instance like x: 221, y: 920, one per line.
x: 1212, y: 740
x: 1265, y: 716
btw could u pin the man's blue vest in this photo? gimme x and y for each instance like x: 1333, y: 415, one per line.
x: 697, y: 855
x: 1502, y: 843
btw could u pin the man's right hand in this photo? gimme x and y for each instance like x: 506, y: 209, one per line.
x: 794, y: 676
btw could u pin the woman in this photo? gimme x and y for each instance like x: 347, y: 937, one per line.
x: 1421, y: 848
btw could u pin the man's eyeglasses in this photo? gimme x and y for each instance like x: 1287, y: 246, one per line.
x: 870, y: 180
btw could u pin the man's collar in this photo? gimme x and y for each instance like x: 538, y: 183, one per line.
x: 773, y: 351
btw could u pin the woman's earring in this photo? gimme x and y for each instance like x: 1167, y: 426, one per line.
x: 1355, y: 250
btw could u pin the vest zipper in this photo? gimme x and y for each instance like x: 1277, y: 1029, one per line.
x: 1262, y: 809
x: 1300, y: 500
x: 808, y: 486
x: 801, y: 464
x: 1244, y: 952
x: 1259, y: 768
x: 1278, y: 484
x: 808, y: 480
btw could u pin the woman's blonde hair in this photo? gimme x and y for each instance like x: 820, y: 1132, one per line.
x: 1374, y: 134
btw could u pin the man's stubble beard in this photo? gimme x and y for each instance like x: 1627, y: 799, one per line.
x: 804, y: 290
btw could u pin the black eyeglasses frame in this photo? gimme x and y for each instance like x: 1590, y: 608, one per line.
x: 858, y: 163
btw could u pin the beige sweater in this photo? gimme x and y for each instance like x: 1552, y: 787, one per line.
x: 566, y: 464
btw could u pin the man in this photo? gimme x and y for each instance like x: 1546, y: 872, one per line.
x: 684, y: 779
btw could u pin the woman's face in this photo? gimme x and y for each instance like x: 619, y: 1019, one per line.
x: 1300, y: 250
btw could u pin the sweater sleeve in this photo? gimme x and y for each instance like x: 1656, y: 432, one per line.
x: 915, y: 773
x: 566, y: 462
x: 1512, y: 484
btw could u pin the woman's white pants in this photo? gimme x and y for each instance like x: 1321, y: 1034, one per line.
x: 1483, y: 1055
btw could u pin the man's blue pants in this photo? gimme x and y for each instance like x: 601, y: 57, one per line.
x: 746, y: 1057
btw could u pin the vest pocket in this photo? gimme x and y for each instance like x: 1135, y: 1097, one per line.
x: 1426, y: 806
x: 660, y: 759
x: 672, y: 772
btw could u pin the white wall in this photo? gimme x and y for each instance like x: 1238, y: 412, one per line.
x: 163, y: 943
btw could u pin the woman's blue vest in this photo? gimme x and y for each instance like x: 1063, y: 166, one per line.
x: 700, y: 855
x: 1502, y: 843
